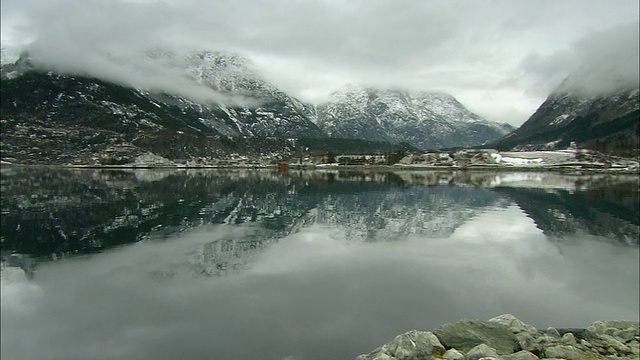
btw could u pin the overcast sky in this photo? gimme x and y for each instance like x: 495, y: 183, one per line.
x: 499, y: 58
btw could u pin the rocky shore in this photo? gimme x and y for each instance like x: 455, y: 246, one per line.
x: 507, y: 338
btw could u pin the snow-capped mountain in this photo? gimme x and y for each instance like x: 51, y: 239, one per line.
x: 274, y: 113
x: 50, y: 117
x: 245, y: 104
x: 425, y: 120
x: 251, y: 105
x: 203, y: 105
x: 602, y: 122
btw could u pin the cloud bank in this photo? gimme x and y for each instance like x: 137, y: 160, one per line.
x: 500, y: 58
x: 601, y: 63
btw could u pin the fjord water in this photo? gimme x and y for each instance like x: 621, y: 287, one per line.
x: 166, y: 264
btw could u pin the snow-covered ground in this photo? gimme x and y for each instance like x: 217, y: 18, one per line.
x: 535, y: 157
x: 570, y: 158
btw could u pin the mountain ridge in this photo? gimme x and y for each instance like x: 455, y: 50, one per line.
x: 244, y: 105
x: 428, y: 120
x: 607, y: 122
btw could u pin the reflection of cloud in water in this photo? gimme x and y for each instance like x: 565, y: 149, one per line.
x: 312, y: 295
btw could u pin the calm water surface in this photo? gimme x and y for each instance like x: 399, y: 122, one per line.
x: 153, y: 264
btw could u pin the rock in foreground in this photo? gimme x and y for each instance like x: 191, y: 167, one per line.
x: 507, y: 338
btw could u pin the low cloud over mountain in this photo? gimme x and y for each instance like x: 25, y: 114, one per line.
x: 500, y: 59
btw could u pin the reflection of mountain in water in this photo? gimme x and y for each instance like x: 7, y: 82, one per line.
x: 412, y: 210
x: 607, y: 209
x: 77, y: 211
x: 52, y: 212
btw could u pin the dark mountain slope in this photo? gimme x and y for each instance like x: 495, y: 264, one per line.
x: 609, y: 123
x: 51, y: 118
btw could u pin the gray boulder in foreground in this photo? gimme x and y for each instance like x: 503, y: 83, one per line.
x: 410, y: 345
x: 467, y: 334
x: 481, y: 351
x: 507, y: 338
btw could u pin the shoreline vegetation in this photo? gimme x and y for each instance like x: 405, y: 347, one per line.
x: 507, y: 338
x: 566, y: 161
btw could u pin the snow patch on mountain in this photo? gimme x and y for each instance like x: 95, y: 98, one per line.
x: 423, y: 119
x: 608, y: 122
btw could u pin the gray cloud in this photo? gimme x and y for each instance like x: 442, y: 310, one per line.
x: 135, y: 69
x: 608, y: 61
x: 600, y: 63
x: 500, y: 58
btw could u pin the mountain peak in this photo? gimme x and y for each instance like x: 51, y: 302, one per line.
x: 196, y: 90
x: 227, y: 72
x: 423, y: 119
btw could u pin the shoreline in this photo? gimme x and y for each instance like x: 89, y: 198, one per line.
x: 579, y: 161
x: 576, y: 169
x: 507, y: 338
